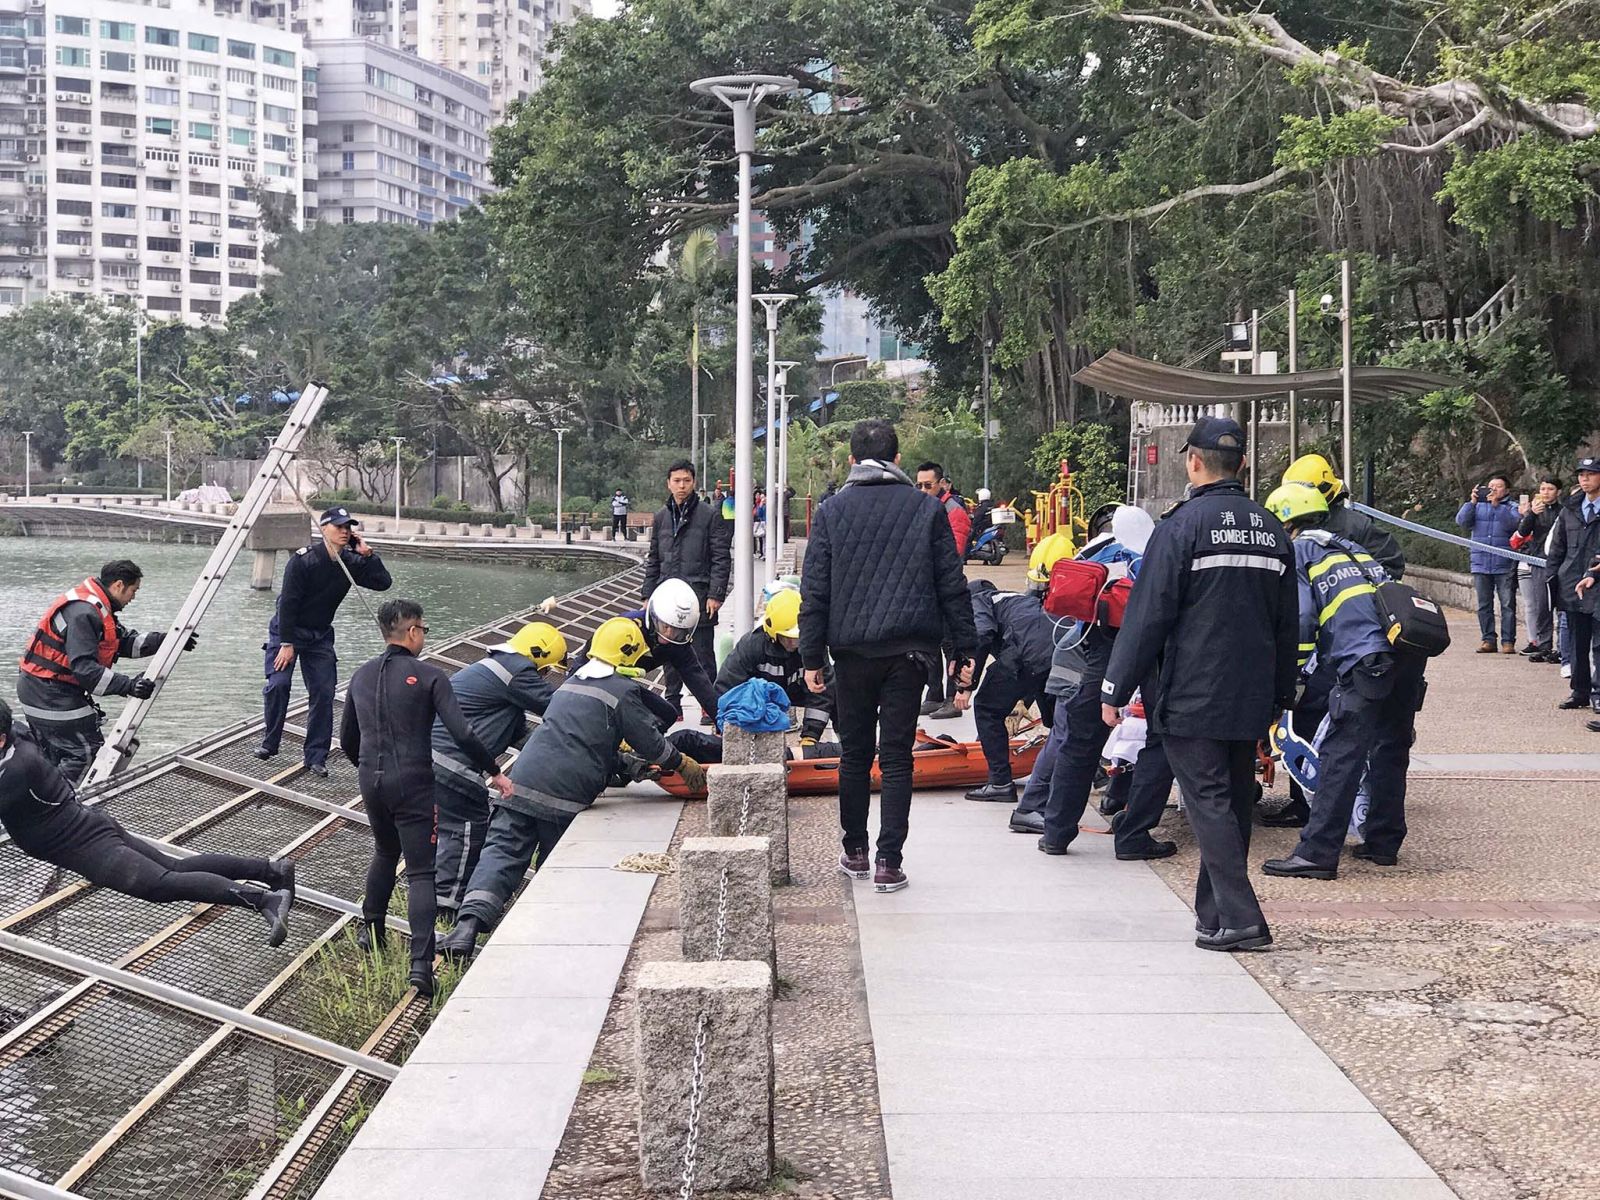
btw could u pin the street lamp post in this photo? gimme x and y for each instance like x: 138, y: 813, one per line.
x: 986, y: 412
x: 169, y: 471
x: 138, y: 374
x: 27, y: 464
x: 772, y: 302
x: 743, y: 94
x: 397, y: 488
x: 778, y: 461
x: 560, y: 467
x: 705, y: 446
x: 1294, y: 365
x: 1346, y: 355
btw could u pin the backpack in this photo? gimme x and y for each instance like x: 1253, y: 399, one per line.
x: 1083, y: 590
x: 1412, y: 623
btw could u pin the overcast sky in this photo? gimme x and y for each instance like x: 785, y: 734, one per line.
x: 605, y: 8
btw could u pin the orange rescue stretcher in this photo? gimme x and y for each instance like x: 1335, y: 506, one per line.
x: 937, y: 763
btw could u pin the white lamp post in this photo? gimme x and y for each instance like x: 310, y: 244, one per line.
x: 1345, y: 355
x: 779, y: 451
x: 138, y: 373
x: 169, y: 468
x: 27, y: 464
x: 397, y: 488
x: 772, y: 302
x: 560, y: 466
x: 744, y: 94
x: 705, y: 448
x: 986, y: 425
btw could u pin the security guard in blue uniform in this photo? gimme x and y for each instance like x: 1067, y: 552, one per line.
x: 1016, y: 638
x: 1218, y: 605
x: 1372, y: 707
x: 495, y: 693
x: 314, y: 585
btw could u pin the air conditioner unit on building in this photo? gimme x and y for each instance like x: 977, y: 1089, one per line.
x: 214, y: 86
x: 249, y: 120
x: 83, y: 282
x: 86, y: 161
x: 168, y: 257
x: 175, y: 227
x: 130, y: 255
x: 86, y: 221
x: 129, y: 134
x: 216, y: 291
x: 208, y: 316
x: 36, y: 69
x: 291, y: 126
x: 233, y: 204
x: 25, y: 271
x: 25, y: 251
x: 30, y: 158
x: 35, y: 128
x: 216, y: 145
x: 194, y: 258
x: 139, y: 166
x: 177, y: 287
x: 194, y: 170
x: 63, y: 97
x: 84, y: 98
x: 62, y: 127
x: 175, y: 136
x: 173, y: 168
x: 255, y: 237
x: 236, y: 262
x: 85, y: 251
x: 249, y: 91
x: 132, y: 285
x: 172, y: 79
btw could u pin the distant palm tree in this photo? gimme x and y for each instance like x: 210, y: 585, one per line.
x: 695, y: 265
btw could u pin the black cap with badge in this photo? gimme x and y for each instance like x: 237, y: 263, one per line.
x: 1591, y: 465
x: 337, y: 515
x: 1215, y: 433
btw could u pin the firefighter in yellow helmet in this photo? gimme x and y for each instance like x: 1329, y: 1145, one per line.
x: 565, y: 765
x: 772, y: 652
x: 1315, y: 471
x: 495, y: 693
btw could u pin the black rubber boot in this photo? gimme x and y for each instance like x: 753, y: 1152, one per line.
x: 280, y: 875
x: 422, y: 980
x: 461, y: 942
x: 370, y: 934
x: 276, y: 910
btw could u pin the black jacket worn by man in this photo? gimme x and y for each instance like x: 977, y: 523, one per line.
x: 78, y: 627
x: 1218, y: 605
x: 882, y: 576
x: 693, y: 543
x: 37, y: 805
x: 314, y: 587
x: 1365, y: 532
x: 387, y: 728
x: 1536, y: 527
x: 494, y: 694
x: 1573, y: 544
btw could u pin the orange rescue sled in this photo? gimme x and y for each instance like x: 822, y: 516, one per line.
x: 951, y: 765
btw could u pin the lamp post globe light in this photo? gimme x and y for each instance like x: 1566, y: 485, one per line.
x: 743, y: 94
x: 772, y: 302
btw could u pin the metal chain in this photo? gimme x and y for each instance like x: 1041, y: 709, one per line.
x: 691, y: 1141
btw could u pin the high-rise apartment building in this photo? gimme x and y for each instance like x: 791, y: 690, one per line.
x: 501, y: 44
x: 402, y: 140
x: 137, y: 145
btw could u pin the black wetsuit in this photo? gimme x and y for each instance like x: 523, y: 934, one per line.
x: 43, y: 816
x: 386, y: 731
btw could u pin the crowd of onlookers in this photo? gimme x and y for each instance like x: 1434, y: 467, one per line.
x: 1559, y: 537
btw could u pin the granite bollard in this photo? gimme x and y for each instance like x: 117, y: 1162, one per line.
x: 734, y: 1148
x: 747, y: 932
x: 743, y: 747
x: 768, y: 788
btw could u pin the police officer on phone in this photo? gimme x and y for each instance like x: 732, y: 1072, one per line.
x: 1217, y: 606
x: 315, y: 583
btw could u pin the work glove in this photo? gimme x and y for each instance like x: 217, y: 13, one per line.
x: 194, y: 640
x: 808, y: 741
x: 142, y: 688
x: 693, y: 774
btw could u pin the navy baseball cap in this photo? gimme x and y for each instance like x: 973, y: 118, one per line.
x: 1589, y: 464
x: 337, y: 515
x: 1215, y: 433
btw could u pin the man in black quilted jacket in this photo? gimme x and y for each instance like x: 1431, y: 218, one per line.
x: 882, y: 589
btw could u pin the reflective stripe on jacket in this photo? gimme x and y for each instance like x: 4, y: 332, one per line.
x: 46, y: 655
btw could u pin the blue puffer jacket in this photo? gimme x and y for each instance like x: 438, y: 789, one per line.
x: 882, y: 576
x: 1493, y: 525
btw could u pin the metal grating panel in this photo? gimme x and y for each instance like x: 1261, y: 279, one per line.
x: 26, y: 987
x: 339, y: 786
x: 257, y: 828
x: 223, y: 956
x: 169, y: 802
x: 336, y: 861
x: 340, y: 997
x: 25, y: 881
x: 240, y: 756
x: 214, y: 1134
x: 100, y: 924
x: 314, y: 1162
x: 66, y: 1083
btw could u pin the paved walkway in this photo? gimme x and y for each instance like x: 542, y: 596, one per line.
x: 1045, y: 1028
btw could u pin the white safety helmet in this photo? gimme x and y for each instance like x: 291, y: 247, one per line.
x: 983, y: 493
x: 674, y: 610
x: 1132, y: 527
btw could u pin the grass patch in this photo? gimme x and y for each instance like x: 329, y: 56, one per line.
x: 784, y: 988
x: 599, y: 1075
x: 348, y: 992
x: 785, y: 1177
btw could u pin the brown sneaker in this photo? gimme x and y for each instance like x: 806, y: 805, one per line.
x: 1508, y: 647
x: 1485, y: 647
x: 887, y: 878
x: 855, y: 864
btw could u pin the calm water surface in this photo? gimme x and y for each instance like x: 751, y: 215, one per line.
x: 221, y: 681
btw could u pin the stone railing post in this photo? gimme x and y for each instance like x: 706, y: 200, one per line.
x: 765, y: 788
x: 703, y: 863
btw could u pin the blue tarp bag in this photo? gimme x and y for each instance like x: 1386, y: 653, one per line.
x: 757, y: 705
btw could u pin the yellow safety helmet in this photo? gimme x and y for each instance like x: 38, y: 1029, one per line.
x: 782, y: 616
x: 619, y: 642
x: 541, y: 642
x: 1315, y: 471
x: 1047, y: 553
x: 1295, y: 501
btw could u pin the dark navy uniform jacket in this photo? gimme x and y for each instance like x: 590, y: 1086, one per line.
x: 1218, y: 607
x: 314, y: 587
x: 495, y: 693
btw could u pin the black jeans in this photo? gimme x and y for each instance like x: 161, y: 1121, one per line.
x: 1219, y: 789
x: 404, y: 823
x: 1580, y: 627
x: 619, y: 524
x: 878, y: 702
x: 108, y: 855
x: 1372, y: 718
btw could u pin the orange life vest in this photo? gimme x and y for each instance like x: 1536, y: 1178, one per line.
x: 46, y: 655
